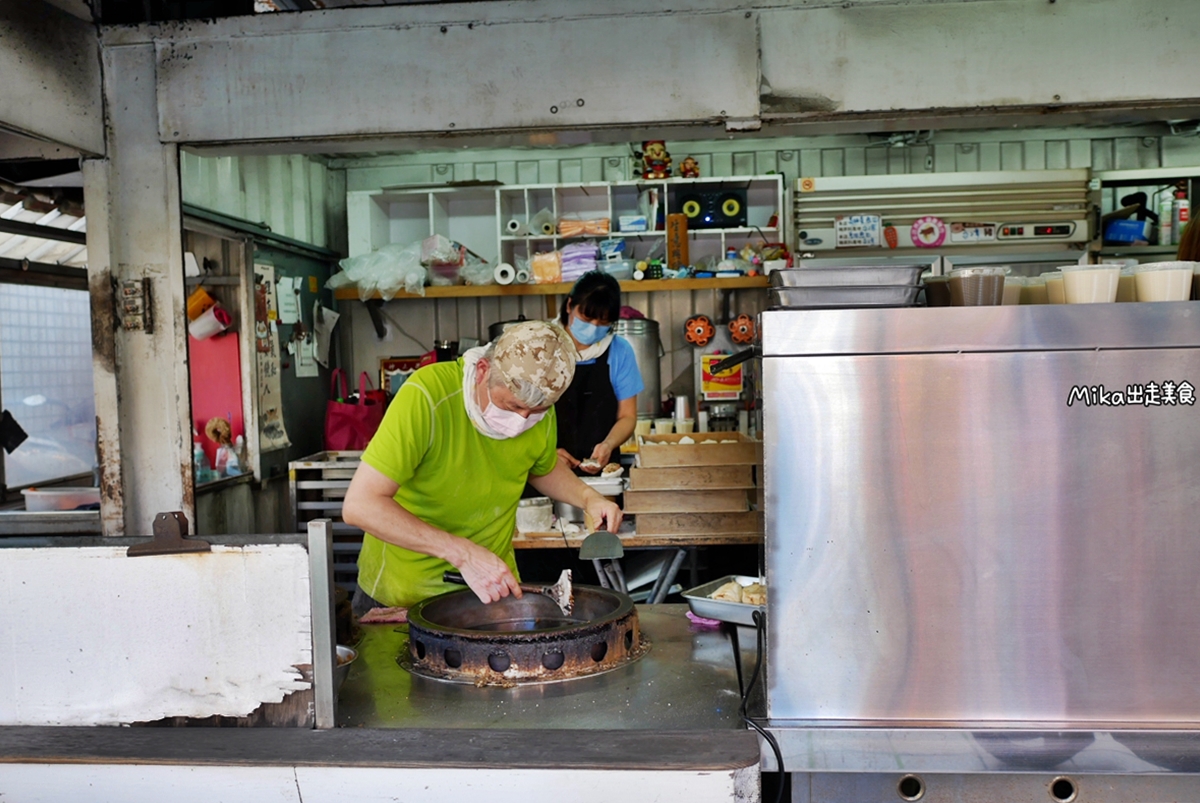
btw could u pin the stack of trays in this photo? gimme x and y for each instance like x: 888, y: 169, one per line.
x: 846, y: 287
x: 698, y: 489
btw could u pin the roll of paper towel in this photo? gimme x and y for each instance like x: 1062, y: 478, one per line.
x: 213, y: 321
x: 504, y: 273
x: 523, y: 275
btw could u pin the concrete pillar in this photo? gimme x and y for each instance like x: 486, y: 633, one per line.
x: 143, y: 406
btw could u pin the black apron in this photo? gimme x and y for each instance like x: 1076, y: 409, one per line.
x: 587, y: 411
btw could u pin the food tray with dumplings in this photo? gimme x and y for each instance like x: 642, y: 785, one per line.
x: 716, y: 600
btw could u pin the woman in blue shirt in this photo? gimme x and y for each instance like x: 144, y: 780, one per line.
x: 598, y: 411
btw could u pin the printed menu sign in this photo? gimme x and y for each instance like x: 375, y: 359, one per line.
x: 856, y: 231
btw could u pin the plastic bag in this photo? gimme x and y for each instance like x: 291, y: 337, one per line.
x: 386, y: 271
x: 477, y: 272
x: 437, y: 250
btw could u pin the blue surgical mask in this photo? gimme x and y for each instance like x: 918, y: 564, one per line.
x: 588, y: 333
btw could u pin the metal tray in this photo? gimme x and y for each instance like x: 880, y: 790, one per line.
x: 842, y: 297
x: 895, y: 276
x: 739, y: 613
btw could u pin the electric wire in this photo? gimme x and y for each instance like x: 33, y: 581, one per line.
x: 760, y: 624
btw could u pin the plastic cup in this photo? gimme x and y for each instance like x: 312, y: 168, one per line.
x: 937, y: 291
x: 664, y: 426
x: 1127, y: 286
x: 1013, y: 285
x: 1164, y: 281
x: 1090, y: 284
x: 642, y: 427
x: 685, y: 425
x: 1034, y: 291
x: 977, y: 287
x: 1054, y: 287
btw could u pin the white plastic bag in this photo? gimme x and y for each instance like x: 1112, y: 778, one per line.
x: 385, y: 271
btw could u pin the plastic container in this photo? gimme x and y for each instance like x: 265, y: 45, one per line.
x: 1034, y: 291
x: 1054, y: 287
x: 535, y: 515
x: 1091, y: 284
x: 685, y: 425
x: 1127, y: 286
x: 1164, y: 281
x: 977, y: 287
x: 43, y: 499
x: 619, y: 269
x: 1012, y: 290
x: 937, y: 291
x: 664, y: 426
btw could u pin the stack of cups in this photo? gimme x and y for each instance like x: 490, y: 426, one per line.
x: 684, y: 422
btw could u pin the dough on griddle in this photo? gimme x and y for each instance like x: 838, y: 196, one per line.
x: 730, y: 592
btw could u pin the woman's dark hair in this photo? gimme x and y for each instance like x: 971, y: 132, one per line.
x: 596, y: 295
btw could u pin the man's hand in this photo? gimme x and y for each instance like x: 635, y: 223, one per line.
x: 487, y: 575
x: 603, y: 511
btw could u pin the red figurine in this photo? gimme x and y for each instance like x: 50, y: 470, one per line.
x: 656, y: 162
x: 689, y: 168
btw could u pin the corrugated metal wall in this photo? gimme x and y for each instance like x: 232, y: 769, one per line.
x: 296, y: 196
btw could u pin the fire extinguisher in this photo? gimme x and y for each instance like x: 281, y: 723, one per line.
x: 1180, y: 212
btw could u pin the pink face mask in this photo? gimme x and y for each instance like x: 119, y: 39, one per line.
x: 506, y: 422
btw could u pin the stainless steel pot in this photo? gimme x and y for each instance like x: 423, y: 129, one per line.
x: 642, y: 334
x: 497, y: 329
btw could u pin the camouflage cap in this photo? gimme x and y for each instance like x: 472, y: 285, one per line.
x: 535, y: 355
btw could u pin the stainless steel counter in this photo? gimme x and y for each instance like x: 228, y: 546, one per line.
x: 686, y: 682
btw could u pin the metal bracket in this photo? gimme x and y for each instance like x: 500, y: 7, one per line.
x: 170, y: 530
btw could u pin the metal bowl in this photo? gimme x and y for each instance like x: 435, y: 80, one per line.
x: 341, y: 668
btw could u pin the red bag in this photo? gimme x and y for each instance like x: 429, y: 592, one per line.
x: 349, y: 425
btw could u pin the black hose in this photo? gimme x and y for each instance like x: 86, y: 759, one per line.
x: 760, y: 624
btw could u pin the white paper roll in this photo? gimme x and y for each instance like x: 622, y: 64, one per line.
x: 513, y: 226
x: 214, y: 320
x: 504, y: 273
x: 547, y: 228
x: 523, y: 276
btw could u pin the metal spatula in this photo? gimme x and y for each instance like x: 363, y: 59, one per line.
x: 599, y: 547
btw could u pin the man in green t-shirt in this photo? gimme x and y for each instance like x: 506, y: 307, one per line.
x: 439, y: 483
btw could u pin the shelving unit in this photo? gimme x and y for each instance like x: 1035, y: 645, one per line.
x: 478, y: 218
x: 561, y: 288
x: 1113, y: 184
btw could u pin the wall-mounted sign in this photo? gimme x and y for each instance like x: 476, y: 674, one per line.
x: 857, y: 231
x: 928, y: 232
x: 972, y: 232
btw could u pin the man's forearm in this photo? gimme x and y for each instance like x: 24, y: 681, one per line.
x: 388, y: 521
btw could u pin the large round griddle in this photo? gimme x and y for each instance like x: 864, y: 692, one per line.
x: 456, y: 637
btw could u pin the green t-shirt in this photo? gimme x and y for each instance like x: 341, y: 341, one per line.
x: 451, y: 476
